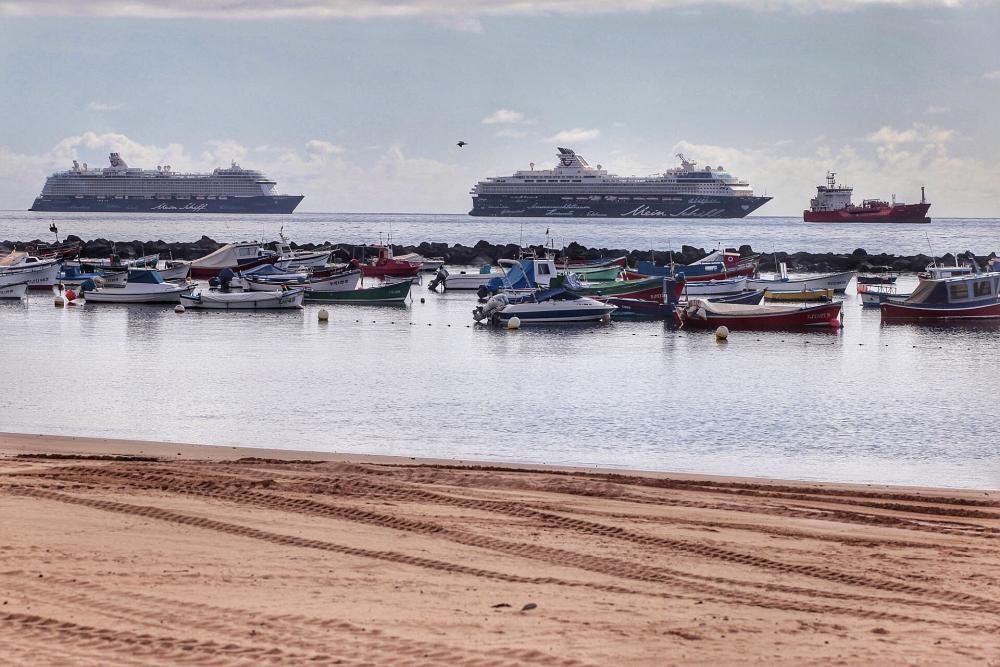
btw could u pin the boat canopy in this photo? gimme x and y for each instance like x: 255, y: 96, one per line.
x: 146, y: 276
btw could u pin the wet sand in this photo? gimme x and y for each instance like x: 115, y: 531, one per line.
x: 217, y: 555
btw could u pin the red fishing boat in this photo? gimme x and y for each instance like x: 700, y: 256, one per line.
x: 969, y: 297
x: 832, y: 203
x: 385, y: 265
x: 701, y: 313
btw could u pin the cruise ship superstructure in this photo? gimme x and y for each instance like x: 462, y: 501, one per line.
x: 120, y: 188
x: 573, y: 188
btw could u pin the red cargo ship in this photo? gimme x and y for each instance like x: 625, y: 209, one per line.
x: 832, y: 203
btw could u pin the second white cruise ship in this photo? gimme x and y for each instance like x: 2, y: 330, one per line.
x: 575, y: 189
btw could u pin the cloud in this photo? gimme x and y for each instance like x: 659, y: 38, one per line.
x: 992, y: 76
x: 577, y: 134
x: 916, y: 133
x: 454, y: 14
x: 105, y: 106
x: 504, y: 116
x: 319, y: 147
x: 934, y: 109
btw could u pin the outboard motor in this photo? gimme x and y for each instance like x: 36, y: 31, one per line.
x: 487, y: 310
x: 225, y: 277
x: 440, y: 278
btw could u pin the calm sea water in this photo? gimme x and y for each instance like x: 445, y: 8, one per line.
x: 896, y: 404
x: 899, y: 404
x: 764, y: 234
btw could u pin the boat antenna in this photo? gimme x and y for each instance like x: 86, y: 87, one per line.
x: 931, y: 249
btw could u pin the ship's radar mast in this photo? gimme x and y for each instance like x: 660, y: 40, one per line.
x: 831, y: 179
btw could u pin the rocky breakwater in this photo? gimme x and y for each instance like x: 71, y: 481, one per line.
x: 485, y: 252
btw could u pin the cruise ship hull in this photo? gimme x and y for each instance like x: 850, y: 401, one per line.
x: 261, y: 204
x: 556, y: 206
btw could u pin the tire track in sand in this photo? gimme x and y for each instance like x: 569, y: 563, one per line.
x: 163, y: 480
x: 303, y: 633
x: 606, y: 566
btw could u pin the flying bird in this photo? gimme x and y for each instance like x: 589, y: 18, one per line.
x: 461, y: 144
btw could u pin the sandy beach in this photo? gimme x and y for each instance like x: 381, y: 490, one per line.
x: 118, y: 552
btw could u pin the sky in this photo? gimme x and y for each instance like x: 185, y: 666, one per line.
x: 358, y: 104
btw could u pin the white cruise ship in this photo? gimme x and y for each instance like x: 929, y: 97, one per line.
x: 573, y: 188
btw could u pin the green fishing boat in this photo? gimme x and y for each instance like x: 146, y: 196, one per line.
x: 594, y: 274
x: 391, y: 293
x: 650, y: 289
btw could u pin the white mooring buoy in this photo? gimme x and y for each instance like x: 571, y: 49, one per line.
x: 324, y: 315
x: 514, y: 323
x: 179, y: 308
x: 722, y: 333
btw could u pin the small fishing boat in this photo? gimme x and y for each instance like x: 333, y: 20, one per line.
x: 142, y: 286
x: 799, y: 295
x: 278, y: 299
x: 650, y: 289
x: 781, y: 282
x: 387, y: 265
x: 74, y: 276
x: 234, y: 256
x: 462, y: 280
x: 876, y: 294
x: 597, y: 274
x: 876, y: 276
x: 714, y: 287
x: 549, y: 306
x: 717, y: 265
x: 426, y: 263
x: 571, y: 264
x: 751, y: 298
x: 650, y: 310
x: 701, y: 313
x: 175, y: 270
x: 14, y: 291
x: 972, y: 297
x: 298, y: 259
x: 38, y: 272
x: 391, y: 293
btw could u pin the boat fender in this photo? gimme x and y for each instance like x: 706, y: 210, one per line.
x: 70, y: 295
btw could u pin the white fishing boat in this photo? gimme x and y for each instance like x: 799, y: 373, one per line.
x: 175, y: 270
x: 467, y: 280
x: 14, y: 291
x: 142, y: 286
x: 298, y: 259
x: 38, y: 272
x: 715, y: 287
x: 549, y: 306
x: 781, y: 282
x: 426, y: 263
x: 291, y: 298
